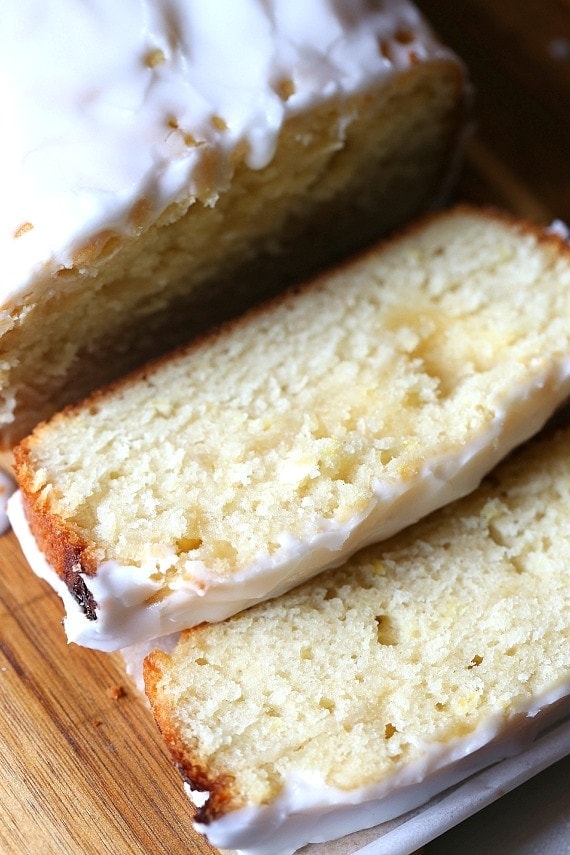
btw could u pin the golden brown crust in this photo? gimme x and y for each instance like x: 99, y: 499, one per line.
x: 223, y: 797
x: 64, y: 550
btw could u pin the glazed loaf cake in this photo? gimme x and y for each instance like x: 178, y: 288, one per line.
x: 330, y: 418
x: 151, y: 157
x: 367, y: 690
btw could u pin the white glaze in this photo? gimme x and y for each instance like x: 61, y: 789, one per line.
x: 559, y: 228
x: 7, y: 488
x: 125, y: 618
x: 309, y: 811
x: 90, y: 92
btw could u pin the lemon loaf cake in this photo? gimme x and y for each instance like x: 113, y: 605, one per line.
x: 154, y: 149
x: 326, y: 419
x: 360, y: 694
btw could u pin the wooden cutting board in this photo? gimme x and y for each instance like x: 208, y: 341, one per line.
x: 82, y: 769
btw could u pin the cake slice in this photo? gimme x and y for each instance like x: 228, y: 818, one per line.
x: 236, y: 468
x: 370, y: 688
x: 167, y: 163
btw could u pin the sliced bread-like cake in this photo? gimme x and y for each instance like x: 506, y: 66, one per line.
x: 236, y: 468
x: 369, y: 689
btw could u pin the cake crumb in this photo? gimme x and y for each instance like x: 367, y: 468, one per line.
x: 154, y: 58
x: 21, y: 230
x: 116, y: 692
x: 285, y: 88
x: 219, y: 124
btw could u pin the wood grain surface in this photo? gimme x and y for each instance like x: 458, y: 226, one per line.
x: 82, y: 769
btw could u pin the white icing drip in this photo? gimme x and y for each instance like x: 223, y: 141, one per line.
x: 559, y: 228
x: 7, y: 488
x: 134, y: 656
x: 128, y: 82
x: 124, y: 617
x: 309, y: 811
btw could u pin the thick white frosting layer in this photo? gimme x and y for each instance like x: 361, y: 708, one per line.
x: 125, y: 617
x: 309, y: 811
x: 105, y: 103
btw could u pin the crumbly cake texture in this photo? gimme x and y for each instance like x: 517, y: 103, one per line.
x: 162, y: 179
x: 323, y: 421
x: 360, y: 674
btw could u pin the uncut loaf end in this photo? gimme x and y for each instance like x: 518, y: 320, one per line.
x: 162, y: 177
